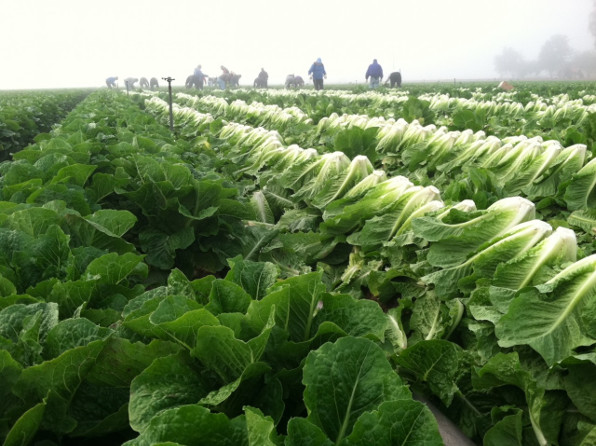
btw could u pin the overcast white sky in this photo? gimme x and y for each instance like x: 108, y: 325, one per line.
x: 79, y: 43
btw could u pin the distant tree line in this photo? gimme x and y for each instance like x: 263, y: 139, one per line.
x: 556, y: 59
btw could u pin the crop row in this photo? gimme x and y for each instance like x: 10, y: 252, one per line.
x: 24, y: 115
x: 445, y: 98
x: 465, y: 165
x: 568, y: 120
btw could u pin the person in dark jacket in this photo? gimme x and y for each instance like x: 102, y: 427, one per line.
x: 261, y: 80
x: 317, y: 73
x: 395, y: 79
x: 375, y: 73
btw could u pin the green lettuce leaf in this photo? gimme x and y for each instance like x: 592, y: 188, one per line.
x: 489, y: 256
x: 346, y: 379
x: 556, y: 317
x: 459, y: 233
x: 436, y: 363
x: 581, y: 191
x: 404, y: 422
x: 192, y: 424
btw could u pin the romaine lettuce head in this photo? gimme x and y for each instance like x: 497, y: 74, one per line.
x: 455, y: 236
x: 381, y: 199
x: 390, y: 136
x: 382, y: 228
x: 370, y: 181
x: 292, y: 156
x: 335, y: 187
x: 568, y: 162
x: 485, y: 260
x: 545, y: 258
x: 529, y: 166
x: 354, y: 194
x: 307, y: 182
x: 472, y: 154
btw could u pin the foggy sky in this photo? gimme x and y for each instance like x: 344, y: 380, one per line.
x: 75, y: 43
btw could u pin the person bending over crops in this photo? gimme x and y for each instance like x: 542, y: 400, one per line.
x: 111, y: 81
x: 375, y: 73
x: 395, y: 79
x: 317, y: 73
x: 234, y: 79
x: 294, y: 81
x: 129, y: 82
x: 228, y: 79
x: 261, y: 80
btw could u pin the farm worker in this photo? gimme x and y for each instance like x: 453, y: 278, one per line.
x: 262, y: 78
x: 199, y: 78
x: 375, y: 72
x: 129, y: 82
x: 224, y: 78
x: 289, y: 80
x: 317, y: 73
x: 111, y: 81
x: 234, y: 79
x: 395, y: 79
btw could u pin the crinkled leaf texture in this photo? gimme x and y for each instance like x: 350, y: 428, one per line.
x: 350, y: 387
x: 193, y: 424
x: 437, y: 363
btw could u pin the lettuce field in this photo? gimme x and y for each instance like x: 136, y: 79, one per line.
x: 343, y: 267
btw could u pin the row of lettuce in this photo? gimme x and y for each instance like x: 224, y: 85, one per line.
x: 463, y: 164
x: 113, y: 327
x: 568, y: 117
x: 25, y: 114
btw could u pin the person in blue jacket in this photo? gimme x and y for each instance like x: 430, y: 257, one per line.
x: 317, y: 73
x: 375, y: 73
